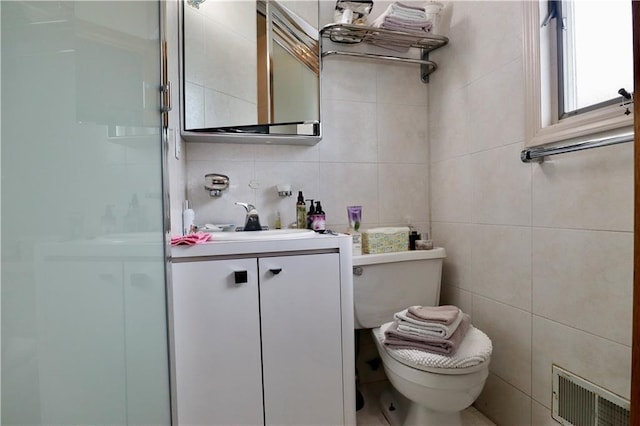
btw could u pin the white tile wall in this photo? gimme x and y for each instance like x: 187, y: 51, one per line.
x: 592, y: 189
x: 544, y: 251
x: 501, y: 264
x: 504, y: 404
x: 581, y: 279
x: 598, y: 360
x: 510, y: 332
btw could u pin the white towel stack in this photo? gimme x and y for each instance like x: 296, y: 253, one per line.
x: 401, y: 17
x: 426, y: 328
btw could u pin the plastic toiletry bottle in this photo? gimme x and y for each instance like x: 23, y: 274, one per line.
x: 413, y: 237
x: 310, y: 214
x: 354, y: 214
x: 188, y: 219
x: 319, y: 219
x: 301, y: 213
x: 278, y: 221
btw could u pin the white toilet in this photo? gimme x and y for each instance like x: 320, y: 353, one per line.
x: 428, y: 389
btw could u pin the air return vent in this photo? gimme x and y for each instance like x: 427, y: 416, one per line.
x: 577, y: 402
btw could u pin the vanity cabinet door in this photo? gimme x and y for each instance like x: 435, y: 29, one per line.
x: 216, y: 328
x: 301, y: 339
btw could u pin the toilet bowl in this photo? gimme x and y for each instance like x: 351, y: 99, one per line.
x: 428, y: 389
x: 434, y: 395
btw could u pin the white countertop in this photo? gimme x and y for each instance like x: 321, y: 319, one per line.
x: 313, y: 241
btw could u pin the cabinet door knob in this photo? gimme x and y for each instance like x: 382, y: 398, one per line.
x: 275, y: 271
x: 241, y: 277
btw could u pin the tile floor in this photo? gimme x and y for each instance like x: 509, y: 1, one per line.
x: 370, y: 414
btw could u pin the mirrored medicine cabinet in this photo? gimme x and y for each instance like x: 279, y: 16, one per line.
x: 250, y: 71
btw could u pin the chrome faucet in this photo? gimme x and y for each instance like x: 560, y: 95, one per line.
x: 252, y: 221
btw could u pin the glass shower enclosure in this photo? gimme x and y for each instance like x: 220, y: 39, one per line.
x: 83, y: 308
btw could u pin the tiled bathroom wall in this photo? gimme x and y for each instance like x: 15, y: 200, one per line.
x: 374, y: 152
x: 539, y: 254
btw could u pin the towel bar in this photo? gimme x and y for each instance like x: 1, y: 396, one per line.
x: 537, y: 154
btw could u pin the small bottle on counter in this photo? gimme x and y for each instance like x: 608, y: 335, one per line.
x: 278, y: 224
x: 319, y: 219
x: 188, y: 218
x: 310, y: 213
x: 413, y: 237
x: 301, y: 214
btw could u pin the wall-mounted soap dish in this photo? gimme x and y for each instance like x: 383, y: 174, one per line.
x: 215, y: 183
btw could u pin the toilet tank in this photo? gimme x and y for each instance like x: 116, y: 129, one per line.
x: 390, y: 282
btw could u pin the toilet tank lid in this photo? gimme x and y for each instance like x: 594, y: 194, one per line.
x: 399, y: 256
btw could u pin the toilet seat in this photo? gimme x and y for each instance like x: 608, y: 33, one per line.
x: 473, y: 354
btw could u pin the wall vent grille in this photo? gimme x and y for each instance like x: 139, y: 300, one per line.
x: 578, y: 402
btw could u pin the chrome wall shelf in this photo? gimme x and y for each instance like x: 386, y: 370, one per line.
x: 355, y: 34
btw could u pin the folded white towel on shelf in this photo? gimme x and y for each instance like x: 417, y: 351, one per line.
x: 406, y: 11
x: 403, y: 18
x: 417, y: 327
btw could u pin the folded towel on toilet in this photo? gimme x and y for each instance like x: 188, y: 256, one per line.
x: 409, y: 324
x: 445, y: 314
x: 397, y: 339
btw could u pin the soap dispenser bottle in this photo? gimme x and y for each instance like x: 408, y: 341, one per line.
x: 301, y: 214
x: 310, y: 214
x: 319, y: 219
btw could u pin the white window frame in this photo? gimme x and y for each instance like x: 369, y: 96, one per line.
x: 542, y: 125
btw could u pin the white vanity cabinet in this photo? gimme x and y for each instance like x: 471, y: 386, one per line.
x: 259, y: 338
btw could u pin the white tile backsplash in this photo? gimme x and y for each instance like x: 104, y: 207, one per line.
x: 349, y: 132
x: 348, y: 184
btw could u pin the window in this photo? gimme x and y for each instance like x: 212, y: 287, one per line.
x: 578, y: 55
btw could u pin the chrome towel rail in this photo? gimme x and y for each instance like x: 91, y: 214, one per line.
x: 537, y: 154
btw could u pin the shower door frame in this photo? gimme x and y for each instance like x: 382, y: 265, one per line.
x: 635, y: 346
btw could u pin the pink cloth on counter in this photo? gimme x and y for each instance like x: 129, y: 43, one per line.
x: 191, y: 239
